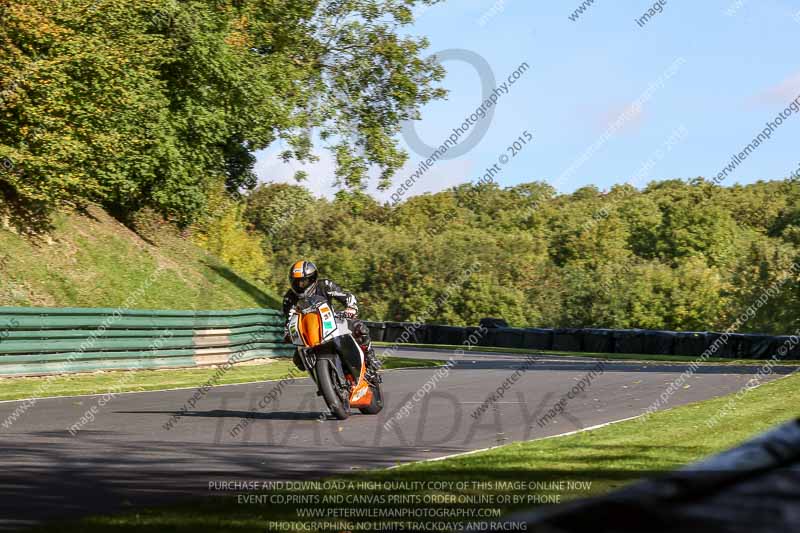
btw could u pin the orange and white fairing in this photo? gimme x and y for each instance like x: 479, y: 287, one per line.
x: 317, y: 327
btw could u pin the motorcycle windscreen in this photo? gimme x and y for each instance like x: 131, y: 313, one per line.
x: 311, y: 329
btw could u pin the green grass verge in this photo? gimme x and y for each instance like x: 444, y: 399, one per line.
x: 593, y: 355
x: 600, y: 460
x: 91, y: 260
x: 144, y: 380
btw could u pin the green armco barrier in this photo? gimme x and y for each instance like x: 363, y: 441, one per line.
x: 37, y: 341
x: 94, y: 311
x: 66, y: 334
x: 45, y: 318
x: 134, y: 343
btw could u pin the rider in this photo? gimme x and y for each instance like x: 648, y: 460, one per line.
x: 303, y: 278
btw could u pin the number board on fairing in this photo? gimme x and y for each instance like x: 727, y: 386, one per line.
x: 328, y: 322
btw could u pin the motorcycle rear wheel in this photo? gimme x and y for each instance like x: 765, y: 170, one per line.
x: 330, y: 392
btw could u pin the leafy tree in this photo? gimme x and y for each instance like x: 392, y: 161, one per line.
x: 225, y: 234
x: 157, y: 102
x: 271, y: 209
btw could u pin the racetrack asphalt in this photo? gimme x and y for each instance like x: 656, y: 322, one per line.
x: 126, y: 458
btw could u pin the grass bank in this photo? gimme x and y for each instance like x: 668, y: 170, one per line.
x: 92, y: 260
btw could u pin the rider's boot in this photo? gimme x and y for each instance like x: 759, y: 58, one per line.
x: 373, y: 365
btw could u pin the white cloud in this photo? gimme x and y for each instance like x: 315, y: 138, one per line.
x: 321, y: 178
x: 445, y: 174
x: 635, y: 117
x: 781, y: 93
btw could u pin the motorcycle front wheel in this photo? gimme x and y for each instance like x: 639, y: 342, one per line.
x: 326, y: 374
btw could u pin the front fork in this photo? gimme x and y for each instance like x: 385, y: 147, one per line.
x: 310, y: 358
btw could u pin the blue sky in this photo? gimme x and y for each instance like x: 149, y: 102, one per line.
x: 737, y: 67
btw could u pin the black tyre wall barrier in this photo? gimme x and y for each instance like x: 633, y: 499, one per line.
x: 726, y: 345
x: 486, y: 337
x: 407, y: 332
x: 377, y: 331
x: 750, y: 488
x: 690, y: 343
x: 392, y: 331
x: 659, y: 342
x: 448, y: 335
x: 538, y: 339
x: 420, y: 334
x: 509, y: 338
x: 596, y: 340
x: 629, y: 341
x: 493, y: 323
x: 754, y: 346
x: 567, y: 340
x: 786, y: 347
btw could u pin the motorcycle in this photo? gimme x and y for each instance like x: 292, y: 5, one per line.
x: 333, y: 358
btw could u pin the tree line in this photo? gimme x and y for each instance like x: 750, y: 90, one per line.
x: 677, y: 254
